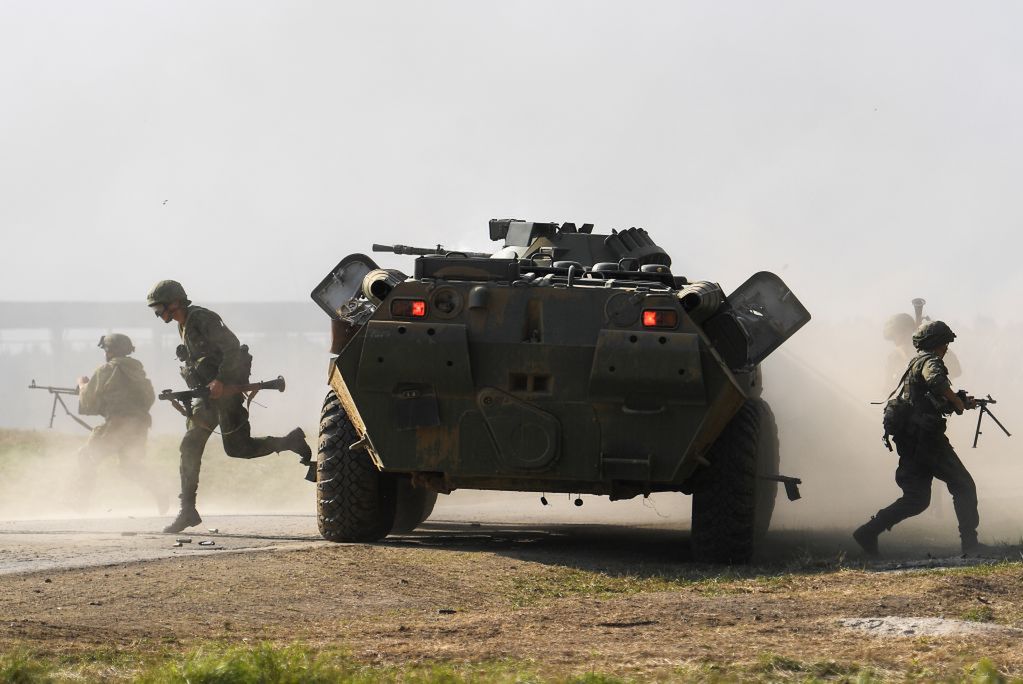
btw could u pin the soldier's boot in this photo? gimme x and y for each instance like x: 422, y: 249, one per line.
x: 295, y: 441
x: 187, y: 517
x: 866, y: 536
x: 972, y: 547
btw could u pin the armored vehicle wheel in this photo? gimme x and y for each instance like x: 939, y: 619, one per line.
x: 415, y: 504
x: 732, y: 507
x: 355, y: 502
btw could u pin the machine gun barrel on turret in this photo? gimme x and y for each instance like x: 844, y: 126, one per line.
x: 425, y: 251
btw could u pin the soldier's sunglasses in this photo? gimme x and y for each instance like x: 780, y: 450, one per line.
x: 158, y: 309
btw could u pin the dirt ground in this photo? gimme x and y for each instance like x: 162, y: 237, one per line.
x: 574, y: 598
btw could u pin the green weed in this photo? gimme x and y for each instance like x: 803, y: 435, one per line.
x: 979, y: 614
x: 20, y: 668
x: 985, y: 672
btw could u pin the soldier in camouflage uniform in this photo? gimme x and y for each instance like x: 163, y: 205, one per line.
x: 924, y: 451
x: 120, y: 392
x: 214, y: 358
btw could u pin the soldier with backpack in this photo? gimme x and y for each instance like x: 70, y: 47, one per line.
x: 120, y: 392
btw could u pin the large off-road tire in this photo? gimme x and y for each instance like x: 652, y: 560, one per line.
x: 732, y: 506
x: 415, y: 504
x: 355, y: 502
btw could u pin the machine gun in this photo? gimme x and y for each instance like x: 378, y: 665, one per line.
x: 182, y: 401
x: 424, y: 251
x: 982, y: 405
x: 57, y: 399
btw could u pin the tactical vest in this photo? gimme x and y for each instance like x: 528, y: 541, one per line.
x: 204, y: 359
x: 915, y: 389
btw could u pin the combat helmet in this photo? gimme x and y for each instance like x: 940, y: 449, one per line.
x: 932, y: 335
x: 899, y: 327
x: 116, y: 344
x: 167, y: 291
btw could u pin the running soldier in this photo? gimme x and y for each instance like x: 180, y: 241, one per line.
x: 916, y: 420
x: 120, y: 392
x: 213, y: 358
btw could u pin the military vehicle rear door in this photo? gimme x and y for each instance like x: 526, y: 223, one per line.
x: 768, y: 311
x: 335, y: 292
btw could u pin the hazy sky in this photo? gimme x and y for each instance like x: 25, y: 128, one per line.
x: 867, y: 152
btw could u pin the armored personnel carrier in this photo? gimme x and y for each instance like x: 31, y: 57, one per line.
x: 565, y: 361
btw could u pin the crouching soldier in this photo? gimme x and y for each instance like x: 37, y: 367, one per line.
x: 213, y: 358
x: 120, y: 392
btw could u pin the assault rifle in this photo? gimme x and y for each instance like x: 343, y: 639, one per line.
x: 56, y: 392
x: 424, y: 251
x: 982, y: 404
x: 182, y: 401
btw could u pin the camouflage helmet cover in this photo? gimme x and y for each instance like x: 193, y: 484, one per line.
x: 932, y: 335
x: 899, y: 327
x: 116, y: 344
x: 167, y: 291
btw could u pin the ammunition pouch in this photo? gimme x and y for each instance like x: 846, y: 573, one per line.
x: 897, y: 413
x: 191, y: 378
x: 203, y: 371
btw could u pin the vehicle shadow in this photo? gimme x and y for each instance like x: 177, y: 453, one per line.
x: 649, y: 551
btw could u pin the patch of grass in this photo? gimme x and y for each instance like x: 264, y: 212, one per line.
x: 266, y: 663
x: 979, y: 614
x: 595, y: 678
x: 295, y: 664
x: 550, y: 583
x: 263, y: 663
x: 985, y: 672
x: 559, y: 582
x: 981, y: 569
x: 19, y: 667
x: 772, y: 664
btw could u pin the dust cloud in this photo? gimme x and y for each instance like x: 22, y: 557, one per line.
x: 820, y: 385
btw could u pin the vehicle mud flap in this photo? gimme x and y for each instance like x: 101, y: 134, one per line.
x: 414, y: 506
x: 525, y: 437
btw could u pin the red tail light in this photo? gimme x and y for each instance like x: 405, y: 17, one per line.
x: 660, y: 318
x: 408, y: 308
